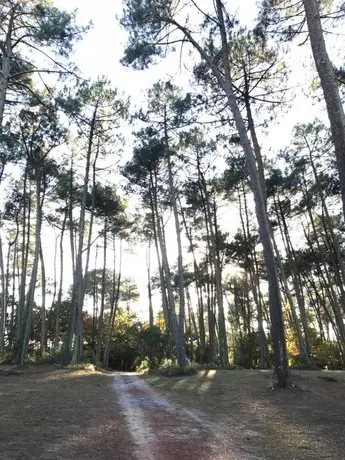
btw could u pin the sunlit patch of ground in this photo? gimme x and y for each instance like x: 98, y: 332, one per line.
x: 306, y: 422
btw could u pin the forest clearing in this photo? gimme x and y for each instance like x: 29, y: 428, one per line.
x: 50, y: 413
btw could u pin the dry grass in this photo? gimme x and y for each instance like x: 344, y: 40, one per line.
x: 306, y: 422
x: 49, y: 413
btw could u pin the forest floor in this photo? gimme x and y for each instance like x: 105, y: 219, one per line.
x: 50, y: 413
x: 306, y: 422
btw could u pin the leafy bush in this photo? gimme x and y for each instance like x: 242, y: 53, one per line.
x: 61, y: 357
x: 170, y: 368
x: 84, y: 367
x: 327, y: 355
x: 247, y: 351
x: 144, y: 367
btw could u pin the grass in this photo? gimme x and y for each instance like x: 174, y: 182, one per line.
x: 50, y: 413
x: 305, y: 422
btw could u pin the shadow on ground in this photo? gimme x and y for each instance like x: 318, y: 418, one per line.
x: 60, y: 414
x: 306, y: 422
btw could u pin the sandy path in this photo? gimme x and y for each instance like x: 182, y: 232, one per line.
x: 162, y: 430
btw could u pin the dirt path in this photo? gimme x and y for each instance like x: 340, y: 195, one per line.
x: 162, y: 430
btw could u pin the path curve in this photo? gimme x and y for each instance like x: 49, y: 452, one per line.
x: 162, y: 430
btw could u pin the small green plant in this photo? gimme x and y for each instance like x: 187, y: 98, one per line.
x: 328, y: 356
x: 170, y: 368
x: 144, y: 367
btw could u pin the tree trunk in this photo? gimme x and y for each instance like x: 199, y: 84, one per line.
x: 149, y: 290
x: 3, y: 299
x: 114, y: 303
x: 329, y: 86
x: 6, y: 57
x: 167, y: 276
x: 198, y: 286
x: 155, y: 225
x: 225, y: 82
x: 101, y: 313
x: 222, y: 336
x: 76, y: 326
x: 180, y: 347
x: 92, y: 211
x: 22, y: 269
x: 43, y: 306
x: 303, y: 340
x: 26, y: 322
x: 59, y: 296
x: 264, y: 359
x: 276, y: 312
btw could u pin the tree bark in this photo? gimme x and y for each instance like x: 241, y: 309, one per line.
x: 3, y: 300
x: 103, y: 292
x: 26, y: 322
x: 76, y: 326
x: 43, y: 306
x: 6, y: 56
x: 149, y: 290
x: 276, y: 312
x: 180, y: 347
x: 224, y: 79
x: 59, y: 296
x: 330, y: 88
x: 114, y: 303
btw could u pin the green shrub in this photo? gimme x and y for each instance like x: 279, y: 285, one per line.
x: 84, y: 367
x: 327, y: 356
x: 61, y: 357
x: 144, y: 367
x: 170, y: 368
x: 247, y: 351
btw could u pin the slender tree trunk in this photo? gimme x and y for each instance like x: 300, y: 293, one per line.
x: 43, y: 306
x: 76, y: 326
x: 22, y: 269
x: 92, y: 211
x: 303, y: 339
x: 26, y: 322
x: 71, y: 220
x: 222, y: 336
x: 330, y: 88
x: 52, y: 309
x: 59, y: 296
x: 210, y: 265
x: 264, y: 359
x: 201, y: 319
x: 3, y: 299
x: 114, y: 303
x: 6, y: 57
x: 225, y: 82
x: 101, y: 313
x: 167, y: 275
x: 190, y: 324
x: 276, y: 311
x: 149, y: 290
x: 14, y: 304
x: 180, y: 347
x: 155, y: 224
x: 331, y: 295
x: 10, y: 322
